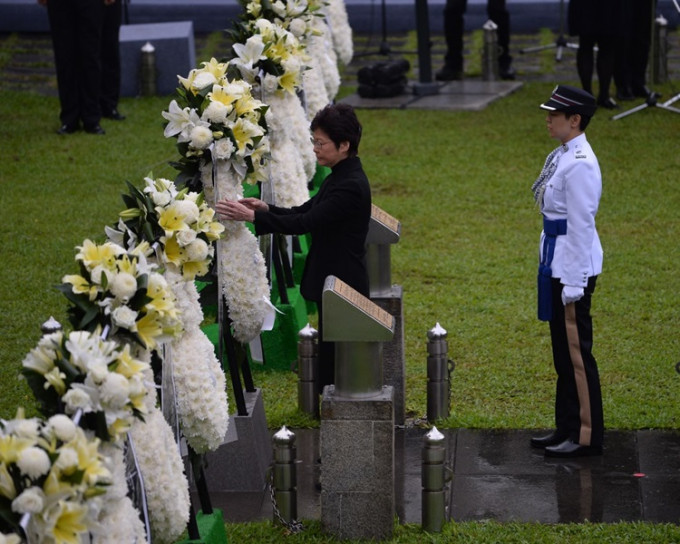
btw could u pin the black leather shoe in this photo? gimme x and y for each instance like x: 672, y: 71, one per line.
x: 641, y: 92
x: 625, y: 94
x: 114, y: 114
x: 67, y: 129
x: 449, y: 74
x: 552, y: 439
x: 569, y: 448
x: 95, y: 129
x: 506, y: 71
x: 607, y: 103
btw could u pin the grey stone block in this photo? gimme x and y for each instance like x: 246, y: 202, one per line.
x: 174, y: 52
x: 357, y: 465
x: 241, y: 464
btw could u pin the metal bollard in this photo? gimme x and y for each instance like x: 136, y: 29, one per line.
x: 50, y: 326
x: 308, y: 371
x: 439, y: 368
x: 284, y: 486
x: 147, y: 70
x: 659, y: 65
x: 433, y: 476
x: 490, y: 52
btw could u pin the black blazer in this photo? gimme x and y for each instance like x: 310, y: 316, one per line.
x: 337, y: 218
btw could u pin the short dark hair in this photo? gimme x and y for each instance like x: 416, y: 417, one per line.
x: 585, y: 119
x: 340, y: 123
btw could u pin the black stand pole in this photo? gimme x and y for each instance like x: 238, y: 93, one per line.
x: 425, y: 85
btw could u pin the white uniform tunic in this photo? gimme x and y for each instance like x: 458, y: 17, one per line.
x: 573, y: 193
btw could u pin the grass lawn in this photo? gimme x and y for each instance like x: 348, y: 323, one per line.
x: 459, y: 183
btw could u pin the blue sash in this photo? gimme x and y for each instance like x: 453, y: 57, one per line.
x: 552, y: 229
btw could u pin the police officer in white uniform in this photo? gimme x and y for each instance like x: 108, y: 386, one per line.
x: 568, y: 195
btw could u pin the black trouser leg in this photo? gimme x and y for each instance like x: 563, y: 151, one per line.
x: 585, y: 62
x: 110, y: 58
x: 498, y: 13
x: 454, y: 27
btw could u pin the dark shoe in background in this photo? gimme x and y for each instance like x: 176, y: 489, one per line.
x: 569, y: 448
x: 95, y: 129
x: 607, y: 103
x: 113, y: 114
x: 67, y: 129
x: 449, y: 74
x: 506, y: 71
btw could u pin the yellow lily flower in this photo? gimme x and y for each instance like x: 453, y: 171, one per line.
x: 148, y: 328
x: 172, y: 220
x: 7, y: 488
x: 173, y: 252
x: 92, y: 255
x: 290, y: 81
x: 69, y: 522
x: 80, y: 286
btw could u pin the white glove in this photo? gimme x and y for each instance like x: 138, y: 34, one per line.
x: 571, y: 294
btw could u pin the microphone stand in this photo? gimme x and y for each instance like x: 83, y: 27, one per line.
x: 652, y: 99
x: 560, y: 43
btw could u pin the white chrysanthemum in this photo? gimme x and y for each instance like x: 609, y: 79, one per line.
x: 33, y: 462
x: 244, y: 277
x: 185, y: 237
x: 201, y: 391
x: 163, y: 472
x: 197, y: 250
x: 293, y: 162
x: 124, y: 286
x: 316, y: 96
x: 341, y: 31
x: 62, y: 426
x: 68, y: 458
x: 298, y: 27
x: 30, y: 501
x: 187, y: 209
x: 216, y: 113
x: 200, y: 137
x: 224, y: 149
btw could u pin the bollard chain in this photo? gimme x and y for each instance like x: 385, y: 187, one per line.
x: 295, y: 526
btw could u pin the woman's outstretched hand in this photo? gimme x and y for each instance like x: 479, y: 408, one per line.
x: 241, y: 210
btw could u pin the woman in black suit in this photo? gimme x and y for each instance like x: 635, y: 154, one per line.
x: 337, y: 217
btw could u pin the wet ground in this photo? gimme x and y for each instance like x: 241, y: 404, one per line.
x: 498, y: 476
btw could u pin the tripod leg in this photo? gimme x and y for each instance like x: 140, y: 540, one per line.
x: 630, y: 111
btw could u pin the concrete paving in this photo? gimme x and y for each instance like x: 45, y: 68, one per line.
x: 498, y: 476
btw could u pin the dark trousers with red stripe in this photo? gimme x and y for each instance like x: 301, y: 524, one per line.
x: 578, y: 401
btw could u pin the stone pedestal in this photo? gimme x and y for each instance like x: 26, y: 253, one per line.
x: 394, y: 366
x: 174, y: 52
x: 241, y: 462
x: 357, y: 465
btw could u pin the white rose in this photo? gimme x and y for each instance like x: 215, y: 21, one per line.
x: 63, y: 427
x: 31, y: 501
x: 115, y: 390
x: 33, y: 462
x: 224, y: 147
x: 298, y: 27
x: 264, y: 26
x: 68, y: 458
x: 161, y: 198
x: 185, y: 237
x: 271, y: 83
x: 76, y: 399
x: 203, y: 80
x: 124, y: 286
x: 197, y: 250
x: 200, y: 137
x: 124, y: 317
